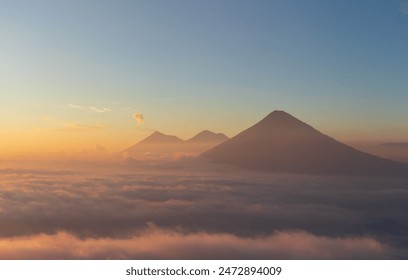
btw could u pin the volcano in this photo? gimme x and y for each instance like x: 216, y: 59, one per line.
x: 207, y: 136
x: 160, y: 138
x: 282, y: 143
x: 159, y: 145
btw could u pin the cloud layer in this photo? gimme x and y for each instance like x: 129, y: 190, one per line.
x: 158, y: 244
x: 190, y: 200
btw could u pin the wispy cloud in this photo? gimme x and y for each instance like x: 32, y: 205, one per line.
x: 89, y: 108
x: 82, y: 127
x: 99, y: 110
x: 73, y: 106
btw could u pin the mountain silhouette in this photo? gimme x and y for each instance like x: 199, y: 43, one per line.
x: 282, y: 143
x: 159, y: 145
x: 160, y: 138
x: 156, y: 145
x: 207, y: 136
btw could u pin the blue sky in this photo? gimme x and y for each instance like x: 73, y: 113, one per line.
x: 191, y: 65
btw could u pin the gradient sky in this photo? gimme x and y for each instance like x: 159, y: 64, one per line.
x: 74, y: 72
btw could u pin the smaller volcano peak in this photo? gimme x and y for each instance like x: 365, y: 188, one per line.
x: 208, y: 136
x: 206, y: 132
x: 157, y: 134
x: 158, y: 137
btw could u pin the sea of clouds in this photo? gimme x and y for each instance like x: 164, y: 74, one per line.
x: 189, y: 209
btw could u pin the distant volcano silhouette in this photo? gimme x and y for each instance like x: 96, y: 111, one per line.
x: 282, y: 143
x: 207, y: 136
x: 160, y: 138
x: 159, y: 143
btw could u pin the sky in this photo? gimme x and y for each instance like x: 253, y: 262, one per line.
x: 74, y: 73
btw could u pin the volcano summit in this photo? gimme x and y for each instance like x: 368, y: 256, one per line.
x: 282, y: 143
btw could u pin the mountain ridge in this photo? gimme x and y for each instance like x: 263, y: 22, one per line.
x: 159, y: 142
x: 283, y: 143
x: 207, y: 136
